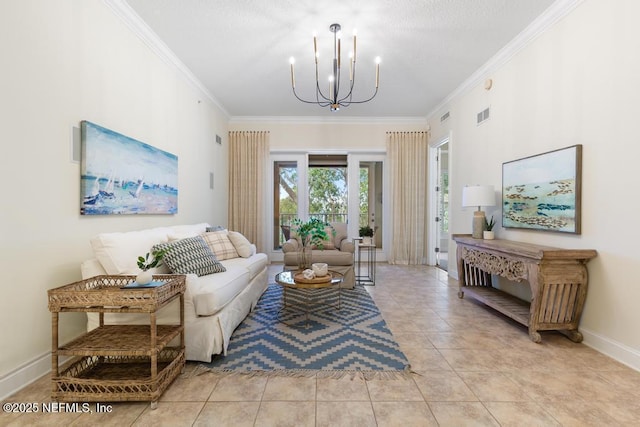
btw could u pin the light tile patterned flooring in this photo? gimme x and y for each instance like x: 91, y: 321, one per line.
x: 473, y: 367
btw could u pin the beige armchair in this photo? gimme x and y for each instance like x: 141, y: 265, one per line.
x: 338, y: 254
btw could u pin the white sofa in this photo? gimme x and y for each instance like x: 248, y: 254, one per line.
x: 215, y: 304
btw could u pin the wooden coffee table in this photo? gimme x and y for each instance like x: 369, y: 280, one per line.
x: 287, y: 279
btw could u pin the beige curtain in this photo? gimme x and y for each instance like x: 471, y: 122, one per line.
x: 248, y: 157
x: 407, y: 154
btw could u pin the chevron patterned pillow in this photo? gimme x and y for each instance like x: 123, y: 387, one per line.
x: 190, y: 255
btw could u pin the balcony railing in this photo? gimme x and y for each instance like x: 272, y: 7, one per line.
x: 287, y: 219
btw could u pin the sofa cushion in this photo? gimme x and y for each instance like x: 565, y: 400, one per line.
x: 242, y: 244
x: 340, y: 233
x: 331, y: 257
x: 214, y: 291
x: 118, y: 252
x: 220, y: 244
x: 255, y: 263
x: 190, y: 255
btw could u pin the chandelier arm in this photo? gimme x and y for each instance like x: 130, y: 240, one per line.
x: 365, y: 100
x: 310, y: 102
x: 319, y: 94
x: 348, y: 95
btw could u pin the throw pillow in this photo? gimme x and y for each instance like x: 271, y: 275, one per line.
x: 241, y: 243
x: 327, y: 244
x: 215, y: 228
x: 190, y: 255
x: 220, y: 244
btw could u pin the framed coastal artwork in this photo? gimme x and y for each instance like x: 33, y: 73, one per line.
x: 542, y: 192
x: 120, y: 175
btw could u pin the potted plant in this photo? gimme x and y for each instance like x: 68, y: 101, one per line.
x: 488, y: 233
x: 145, y: 264
x: 309, y: 233
x: 366, y: 233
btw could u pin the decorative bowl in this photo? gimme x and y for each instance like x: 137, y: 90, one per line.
x: 320, y: 268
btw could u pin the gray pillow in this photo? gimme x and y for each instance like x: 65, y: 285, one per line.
x: 190, y: 255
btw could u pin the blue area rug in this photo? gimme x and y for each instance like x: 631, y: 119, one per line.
x: 328, y: 341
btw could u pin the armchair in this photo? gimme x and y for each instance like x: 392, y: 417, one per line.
x: 338, y: 253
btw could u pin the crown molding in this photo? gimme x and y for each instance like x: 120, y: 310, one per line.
x: 349, y: 120
x: 132, y: 20
x: 558, y: 10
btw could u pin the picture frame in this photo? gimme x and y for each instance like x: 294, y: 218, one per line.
x: 543, y: 191
x: 120, y: 175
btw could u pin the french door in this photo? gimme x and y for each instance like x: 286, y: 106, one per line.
x: 439, y: 198
x: 331, y: 187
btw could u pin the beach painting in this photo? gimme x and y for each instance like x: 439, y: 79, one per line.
x: 120, y: 175
x: 542, y: 192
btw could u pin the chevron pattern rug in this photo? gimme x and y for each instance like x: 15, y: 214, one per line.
x: 326, y: 342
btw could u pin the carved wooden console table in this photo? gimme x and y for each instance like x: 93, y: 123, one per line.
x: 557, y: 278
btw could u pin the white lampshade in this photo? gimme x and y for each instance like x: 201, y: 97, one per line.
x: 478, y: 195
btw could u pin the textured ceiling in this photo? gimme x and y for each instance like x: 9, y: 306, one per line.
x: 240, y: 50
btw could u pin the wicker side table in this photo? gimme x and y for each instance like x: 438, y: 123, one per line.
x: 117, y: 362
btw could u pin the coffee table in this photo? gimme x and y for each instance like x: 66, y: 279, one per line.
x: 287, y: 280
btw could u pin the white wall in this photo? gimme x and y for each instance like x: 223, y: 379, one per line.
x: 577, y: 83
x: 338, y: 135
x: 63, y: 62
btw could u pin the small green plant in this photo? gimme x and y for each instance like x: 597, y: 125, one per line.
x: 312, y: 232
x: 489, y: 224
x: 145, y: 264
x: 366, y: 231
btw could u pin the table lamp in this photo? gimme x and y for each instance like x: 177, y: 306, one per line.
x: 478, y: 195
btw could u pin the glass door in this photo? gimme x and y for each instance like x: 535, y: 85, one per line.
x: 288, y: 181
x: 331, y: 187
x: 327, y: 187
x: 442, y: 207
x: 366, y: 193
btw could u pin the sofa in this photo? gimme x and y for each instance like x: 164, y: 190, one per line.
x: 337, y: 252
x: 215, y: 302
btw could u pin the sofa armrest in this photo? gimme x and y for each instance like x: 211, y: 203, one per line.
x: 347, y: 246
x: 290, y: 245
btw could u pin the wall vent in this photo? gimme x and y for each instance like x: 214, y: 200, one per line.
x: 444, y: 117
x: 218, y: 139
x: 482, y: 116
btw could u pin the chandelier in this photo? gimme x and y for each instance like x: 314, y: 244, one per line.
x: 334, y: 99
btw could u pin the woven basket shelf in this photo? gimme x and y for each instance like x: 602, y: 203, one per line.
x: 109, y: 379
x: 106, y: 294
x: 120, y: 340
x: 117, y: 362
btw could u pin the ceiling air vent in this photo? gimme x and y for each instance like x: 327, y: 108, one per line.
x: 483, y: 116
x: 444, y: 117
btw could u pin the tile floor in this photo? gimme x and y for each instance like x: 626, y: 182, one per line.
x: 472, y: 367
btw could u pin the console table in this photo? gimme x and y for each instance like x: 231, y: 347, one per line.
x: 557, y: 277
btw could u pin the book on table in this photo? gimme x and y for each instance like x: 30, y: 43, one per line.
x: 151, y: 284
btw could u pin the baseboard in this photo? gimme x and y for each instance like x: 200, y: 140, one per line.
x: 21, y: 377
x: 25, y: 375
x: 617, y: 351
